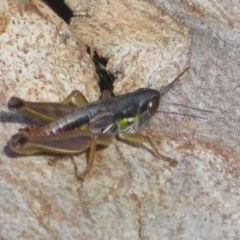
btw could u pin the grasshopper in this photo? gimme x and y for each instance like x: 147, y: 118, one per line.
x: 75, y: 125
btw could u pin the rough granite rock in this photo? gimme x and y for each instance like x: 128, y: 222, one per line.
x: 130, y: 194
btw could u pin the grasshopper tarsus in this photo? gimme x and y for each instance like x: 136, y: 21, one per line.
x: 52, y: 161
x: 171, y: 162
x: 80, y: 178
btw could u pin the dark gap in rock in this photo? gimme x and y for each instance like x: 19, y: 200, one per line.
x: 106, y: 78
x: 61, y: 9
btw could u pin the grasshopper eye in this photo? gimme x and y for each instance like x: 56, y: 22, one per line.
x: 153, y: 105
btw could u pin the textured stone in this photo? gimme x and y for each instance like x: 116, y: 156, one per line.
x: 129, y: 194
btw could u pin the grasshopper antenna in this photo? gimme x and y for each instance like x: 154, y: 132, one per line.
x: 184, y: 114
x: 189, y: 107
x: 164, y: 90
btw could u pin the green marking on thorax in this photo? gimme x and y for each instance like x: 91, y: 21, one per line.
x: 127, y: 122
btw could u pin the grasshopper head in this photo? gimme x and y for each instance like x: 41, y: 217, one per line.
x: 148, y: 106
x: 148, y: 101
x: 140, y: 107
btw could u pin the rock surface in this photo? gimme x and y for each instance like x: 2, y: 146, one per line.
x: 129, y: 194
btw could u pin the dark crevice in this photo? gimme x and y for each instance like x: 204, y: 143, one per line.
x: 61, y: 9
x: 106, y: 78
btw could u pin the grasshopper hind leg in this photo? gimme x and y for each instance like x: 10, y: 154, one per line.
x: 101, y: 139
x: 49, y: 112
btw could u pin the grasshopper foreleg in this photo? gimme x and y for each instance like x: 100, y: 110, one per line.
x: 138, y: 138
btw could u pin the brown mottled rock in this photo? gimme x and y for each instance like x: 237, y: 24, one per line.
x: 130, y: 194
